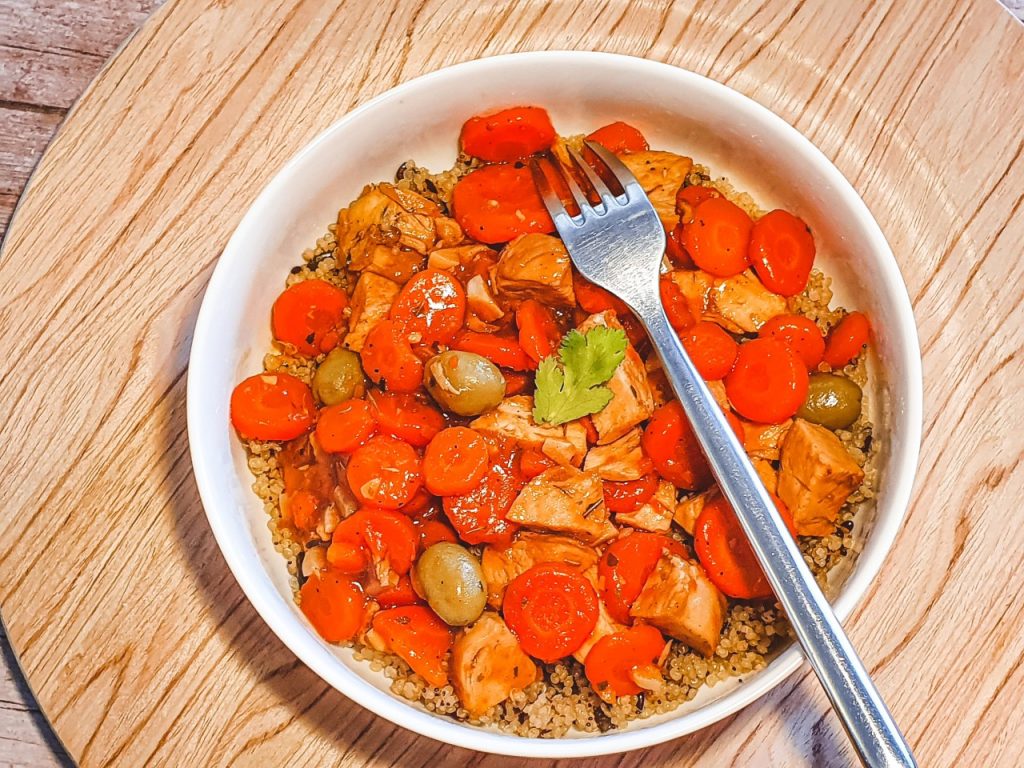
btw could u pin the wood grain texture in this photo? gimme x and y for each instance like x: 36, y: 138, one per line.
x: 141, y: 647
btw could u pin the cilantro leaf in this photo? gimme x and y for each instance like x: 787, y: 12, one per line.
x: 572, y: 386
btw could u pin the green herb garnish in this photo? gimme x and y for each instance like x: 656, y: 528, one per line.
x: 570, y: 385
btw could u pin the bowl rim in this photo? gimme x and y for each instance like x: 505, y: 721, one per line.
x: 405, y: 714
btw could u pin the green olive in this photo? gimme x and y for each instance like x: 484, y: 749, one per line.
x: 832, y: 401
x: 452, y: 581
x: 339, y: 377
x: 464, y: 383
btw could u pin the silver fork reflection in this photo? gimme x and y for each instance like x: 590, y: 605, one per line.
x: 618, y: 244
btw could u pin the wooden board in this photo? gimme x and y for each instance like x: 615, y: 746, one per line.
x: 139, y: 645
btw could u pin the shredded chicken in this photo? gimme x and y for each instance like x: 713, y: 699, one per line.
x: 388, y: 231
x: 680, y: 600
x: 816, y: 476
x: 535, y: 266
x: 740, y: 304
x: 632, y: 400
x: 619, y: 460
x: 371, y: 302
x: 488, y: 664
x: 502, y: 564
x: 656, y: 514
x: 563, y: 444
x: 565, y: 500
x: 661, y: 174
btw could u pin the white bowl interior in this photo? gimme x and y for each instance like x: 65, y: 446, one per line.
x: 675, y: 110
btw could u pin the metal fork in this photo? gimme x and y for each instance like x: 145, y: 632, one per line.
x: 618, y: 244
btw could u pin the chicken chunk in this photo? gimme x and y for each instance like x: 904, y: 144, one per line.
x: 661, y: 174
x: 632, y: 399
x: 535, y: 266
x: 565, y: 500
x: 654, y: 516
x: 371, y: 302
x: 605, y: 626
x: 816, y: 476
x: 502, y: 564
x: 480, y: 302
x: 488, y: 664
x: 767, y: 473
x: 717, y: 389
x: 688, y: 510
x: 563, y: 444
x: 763, y: 441
x: 680, y: 600
x: 620, y: 460
x: 460, y: 255
x: 740, y: 304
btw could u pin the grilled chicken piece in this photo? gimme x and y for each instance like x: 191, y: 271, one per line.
x: 688, y: 510
x: 680, y: 600
x: 606, y: 625
x: 661, y: 174
x: 740, y: 304
x: 661, y: 390
x: 388, y: 231
x: 622, y: 459
x: 654, y: 516
x: 763, y: 441
x: 632, y: 400
x: 563, y: 444
x: 564, y: 500
x: 488, y: 664
x: 816, y: 476
x: 502, y: 564
x: 766, y: 471
x: 535, y: 266
x: 460, y: 255
x: 481, y: 307
x: 305, y: 466
x: 371, y: 302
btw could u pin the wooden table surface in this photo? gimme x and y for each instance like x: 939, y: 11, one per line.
x: 940, y: 112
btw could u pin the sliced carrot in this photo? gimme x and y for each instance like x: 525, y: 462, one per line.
x: 455, y: 461
x: 344, y: 427
x: 394, y: 595
x: 718, y: 237
x: 724, y: 551
x: 782, y: 252
x: 430, y: 308
x: 630, y: 495
x: 800, y: 333
x: 768, y: 382
x: 689, y: 197
x: 303, y: 507
x: 669, y: 441
x: 674, y: 249
x: 309, y: 316
x: 614, y: 659
x: 479, y: 515
x: 348, y: 556
x: 680, y: 317
x: 272, y: 406
x: 422, y: 504
x: 509, y: 135
x: 593, y: 298
x: 516, y: 382
x: 711, y: 349
x: 385, y: 472
x: 418, y: 636
x: 532, y: 462
x: 385, y: 536
x: 335, y: 606
x: 496, y: 203
x: 552, y: 609
x: 619, y: 137
x: 625, y: 566
x: 539, y: 334
x: 503, y: 351
x: 847, y: 340
x: 407, y: 416
x: 388, y: 358
x: 433, y: 532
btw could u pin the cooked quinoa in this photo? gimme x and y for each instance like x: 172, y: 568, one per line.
x: 563, y: 700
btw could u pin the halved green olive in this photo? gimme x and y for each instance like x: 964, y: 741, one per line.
x: 452, y: 581
x: 339, y: 377
x: 464, y: 383
x: 832, y: 401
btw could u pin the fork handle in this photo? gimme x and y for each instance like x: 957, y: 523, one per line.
x: 868, y: 723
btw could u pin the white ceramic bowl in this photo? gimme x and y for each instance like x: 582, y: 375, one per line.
x: 676, y: 110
